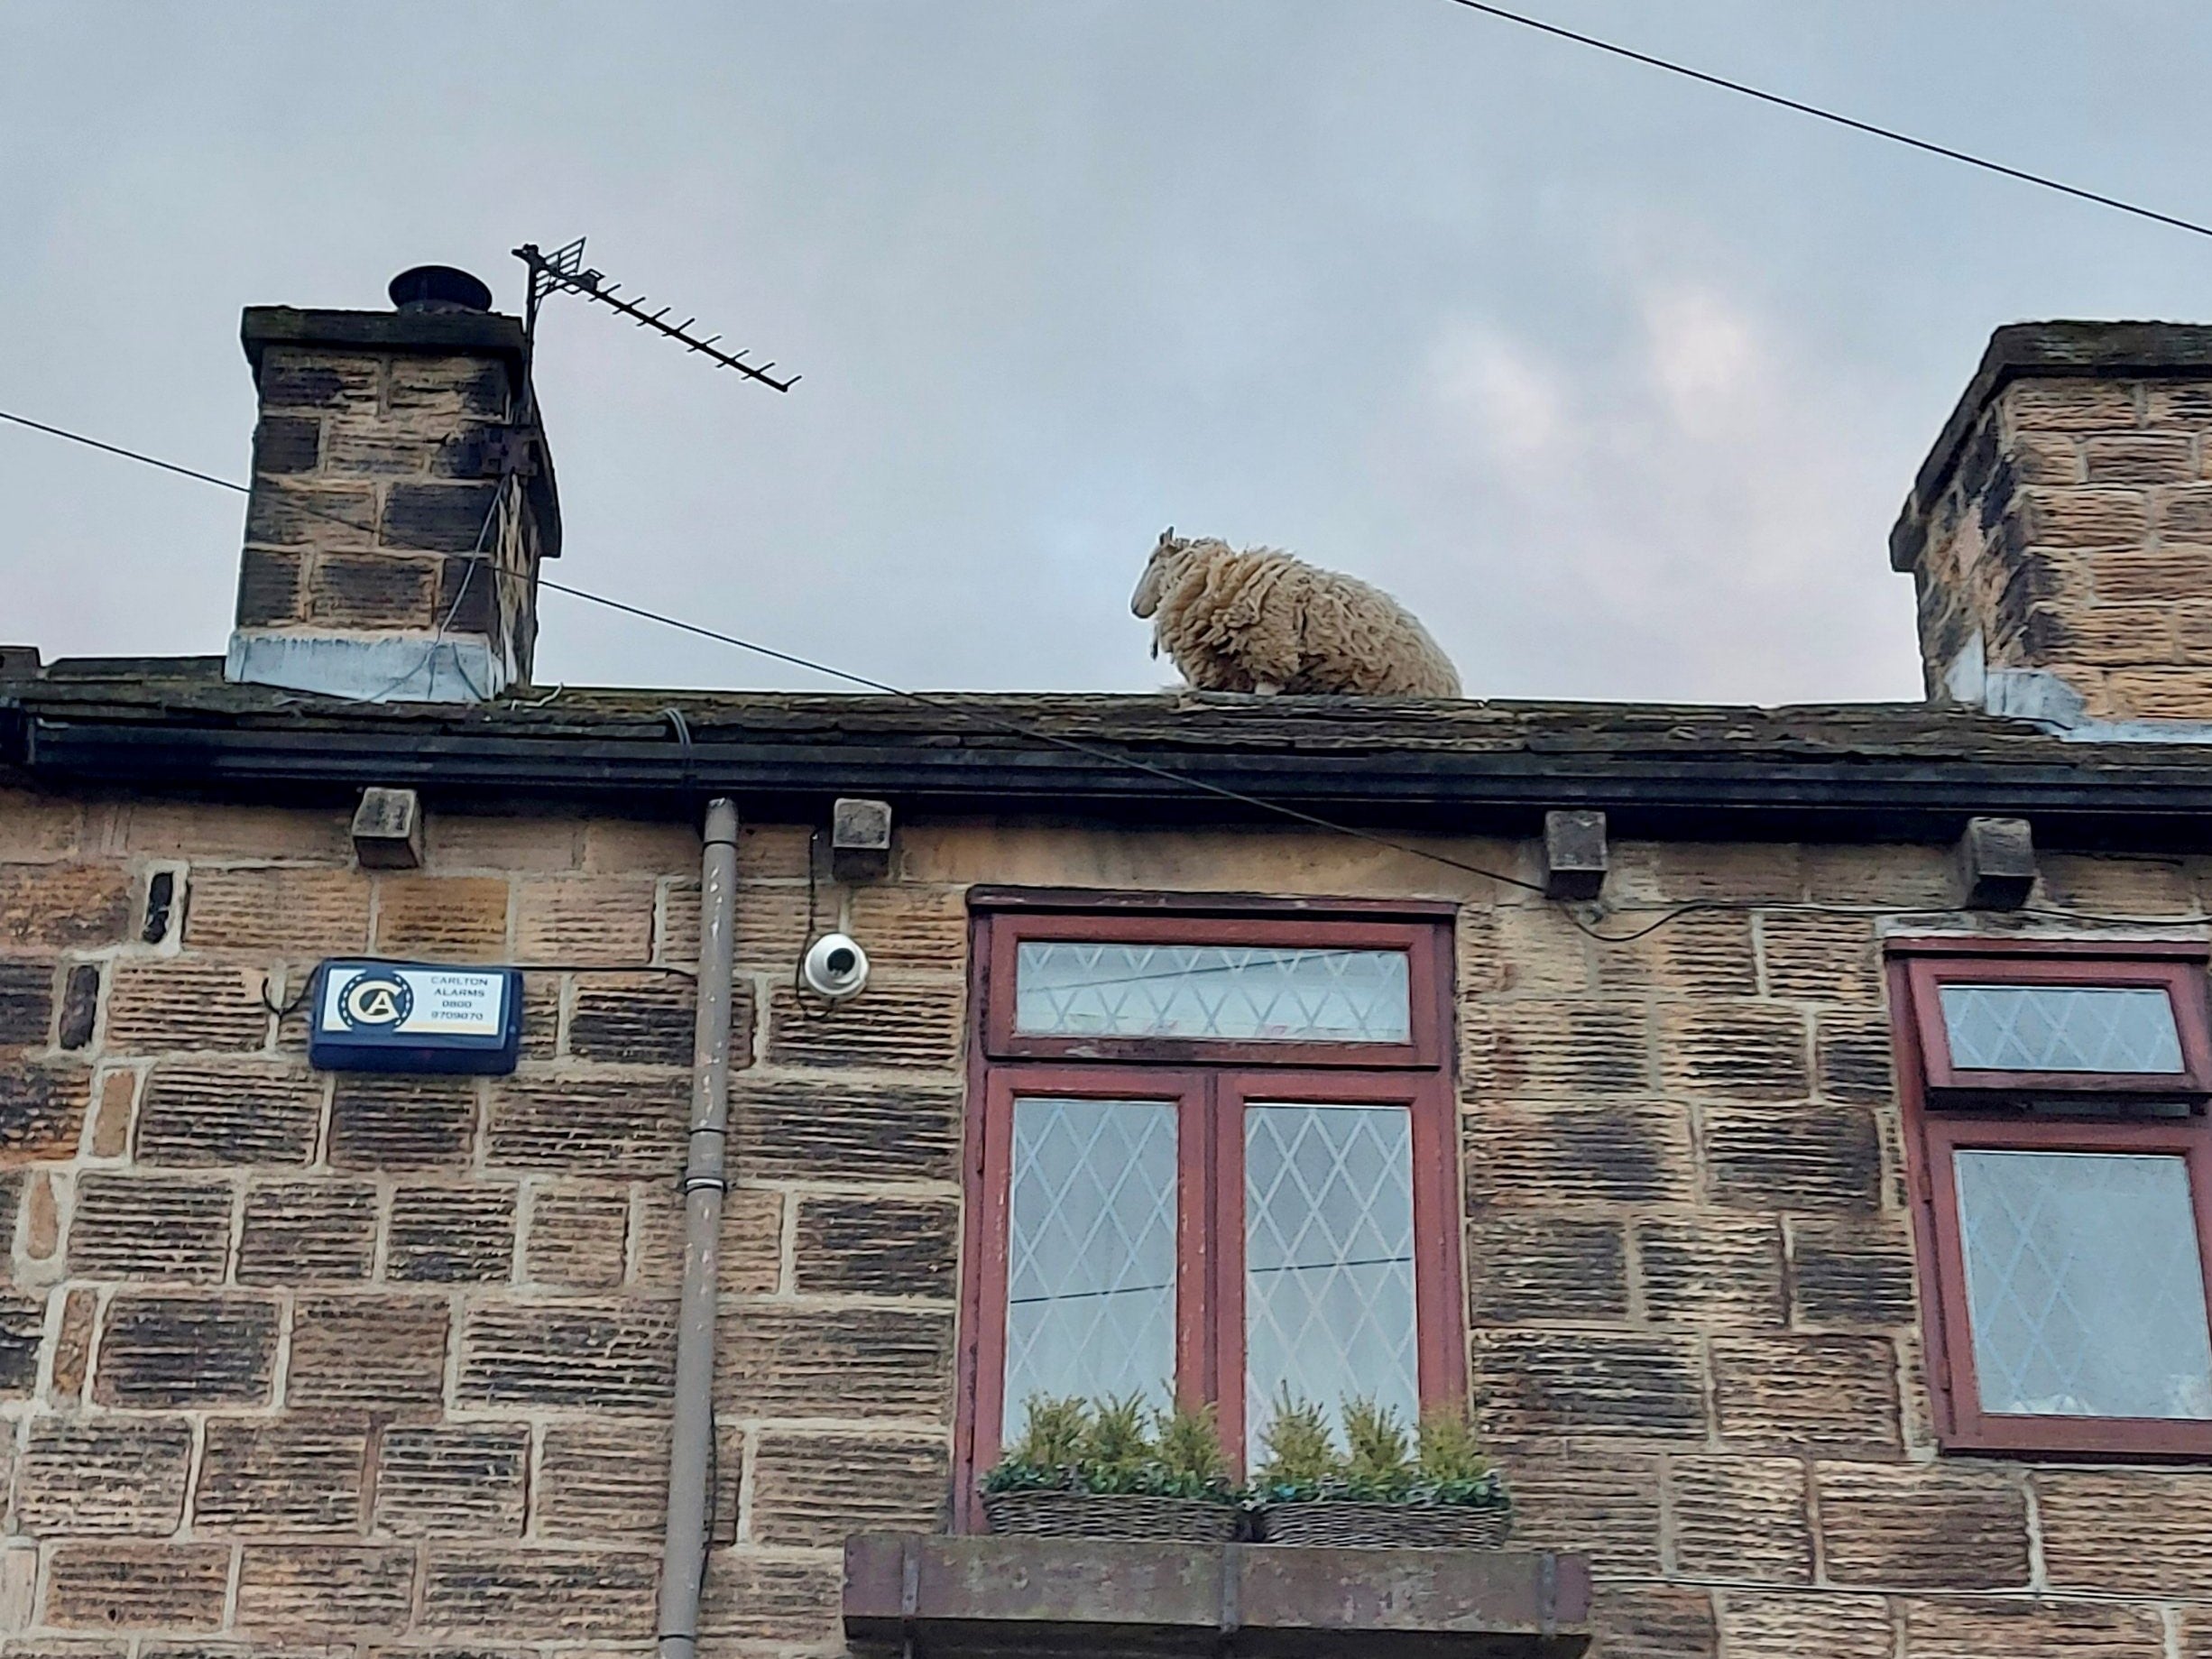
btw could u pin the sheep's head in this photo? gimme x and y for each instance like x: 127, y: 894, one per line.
x: 1166, y: 565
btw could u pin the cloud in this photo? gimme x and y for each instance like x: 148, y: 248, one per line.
x: 1682, y: 515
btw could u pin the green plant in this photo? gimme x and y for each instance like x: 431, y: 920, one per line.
x: 1450, y: 1451
x: 1379, y: 1467
x: 1053, y: 1433
x: 1187, y: 1453
x: 1116, y: 1447
x: 1301, y: 1455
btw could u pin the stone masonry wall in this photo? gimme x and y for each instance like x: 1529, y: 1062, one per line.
x: 295, y: 1364
x: 2076, y: 535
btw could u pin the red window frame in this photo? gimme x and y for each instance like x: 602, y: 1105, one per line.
x: 1946, y: 1110
x: 1210, y: 1083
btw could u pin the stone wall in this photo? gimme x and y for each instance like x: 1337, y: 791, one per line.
x: 294, y: 1363
x: 2075, y: 534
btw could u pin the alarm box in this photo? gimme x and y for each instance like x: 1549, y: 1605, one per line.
x: 371, y: 1015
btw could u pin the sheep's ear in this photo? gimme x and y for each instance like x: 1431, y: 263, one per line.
x: 1167, y: 536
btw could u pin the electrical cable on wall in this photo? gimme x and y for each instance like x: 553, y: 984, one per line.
x: 1586, y: 924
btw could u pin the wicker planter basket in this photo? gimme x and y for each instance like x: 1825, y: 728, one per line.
x: 1457, y: 1526
x: 1113, y: 1514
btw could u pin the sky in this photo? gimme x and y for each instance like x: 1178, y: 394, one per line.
x: 1616, y: 381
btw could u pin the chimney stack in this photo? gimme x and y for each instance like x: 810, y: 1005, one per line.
x: 402, y: 495
x: 2060, y: 534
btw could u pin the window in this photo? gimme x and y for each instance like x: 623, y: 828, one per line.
x: 2061, y: 1163
x: 1213, y: 1157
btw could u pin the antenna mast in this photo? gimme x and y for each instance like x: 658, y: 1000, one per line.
x: 564, y: 268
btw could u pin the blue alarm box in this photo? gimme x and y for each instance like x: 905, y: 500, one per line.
x: 371, y: 1015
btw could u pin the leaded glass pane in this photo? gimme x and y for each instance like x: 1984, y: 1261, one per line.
x: 1328, y: 1259
x: 2084, y: 1285
x: 2062, y: 1028
x: 1239, y: 992
x: 1091, y: 1253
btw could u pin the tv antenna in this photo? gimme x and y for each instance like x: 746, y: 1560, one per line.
x: 565, y: 268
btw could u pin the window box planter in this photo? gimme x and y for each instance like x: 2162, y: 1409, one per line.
x: 993, y: 1596
x: 1113, y: 1514
x: 1343, y: 1523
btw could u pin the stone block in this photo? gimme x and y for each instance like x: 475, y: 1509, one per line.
x: 1736, y: 1051
x: 272, y: 586
x: 578, y: 1237
x: 185, y: 1004
x: 497, y: 843
x: 200, y: 830
x: 371, y: 1352
x: 1540, y: 1155
x: 302, y: 912
x: 847, y: 1129
x: 198, y: 1113
x: 1818, y: 1158
x: 1551, y: 1049
x: 345, y: 1590
x: 35, y: 825
x: 72, y: 1347
x: 1852, y: 1058
x: 1713, y: 1271
x: 1815, y: 958
x: 646, y: 1019
x: 2024, y: 1628
x: 1653, y: 1622
x: 784, y: 1602
x: 1860, y: 872
x: 2116, y: 886
x: 403, y: 1123
x: 462, y: 1480
x: 1701, y: 954
x: 63, y: 907
x: 517, y: 1593
x: 151, y: 1227
x: 438, y: 518
x: 912, y: 926
x: 2139, y: 459
x: 298, y: 1473
x: 598, y: 920
x: 752, y: 1241
x: 610, y: 1124
x: 1530, y: 1266
x: 1594, y: 1496
x: 631, y: 846
x: 1668, y: 872
x: 603, y: 1479
x: 853, y: 1363
x: 451, y: 1234
x: 895, y: 1022
x: 22, y: 1332
x: 110, y: 1475
x: 41, y: 1109
x: 811, y: 1490
x: 122, y: 1587
x: 188, y: 1350
x: 877, y: 1246
x: 114, y: 1096
x: 2138, y: 1532
x: 1757, y: 1625
x: 444, y: 918
x: 603, y: 1356
x: 1537, y: 1382
x: 1740, y: 1519
x: 1852, y: 1274
x: 27, y: 1003
x: 1924, y: 1526
x: 2085, y: 518
x: 296, y: 377
x: 310, y: 515
x: 1790, y: 1393
x: 308, y: 1232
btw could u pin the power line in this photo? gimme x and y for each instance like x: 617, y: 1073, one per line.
x: 1819, y: 114
x: 1017, y: 729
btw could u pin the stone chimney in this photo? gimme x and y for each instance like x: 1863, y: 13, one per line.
x: 2060, y: 534
x: 402, y: 496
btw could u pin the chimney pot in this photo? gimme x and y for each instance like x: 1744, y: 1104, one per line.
x: 439, y: 288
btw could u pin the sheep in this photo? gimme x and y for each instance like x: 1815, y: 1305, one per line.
x: 1262, y: 621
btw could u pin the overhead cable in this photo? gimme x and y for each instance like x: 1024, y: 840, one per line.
x: 1871, y: 129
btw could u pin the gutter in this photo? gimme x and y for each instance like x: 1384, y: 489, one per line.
x: 691, y: 1454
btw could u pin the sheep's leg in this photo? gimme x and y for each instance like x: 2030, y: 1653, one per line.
x: 1266, y: 687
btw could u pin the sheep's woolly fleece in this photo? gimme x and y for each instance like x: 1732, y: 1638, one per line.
x: 1260, y: 620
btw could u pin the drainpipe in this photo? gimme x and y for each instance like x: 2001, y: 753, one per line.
x: 683, y: 1556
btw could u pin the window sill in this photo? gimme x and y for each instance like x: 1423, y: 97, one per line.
x: 993, y: 1594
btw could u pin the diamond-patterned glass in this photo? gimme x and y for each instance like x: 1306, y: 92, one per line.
x: 1328, y: 1259
x: 2084, y: 1285
x: 1091, y: 1253
x: 2060, y: 1028
x: 1238, y: 992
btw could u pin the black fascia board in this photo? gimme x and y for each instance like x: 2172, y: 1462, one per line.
x: 2093, y: 802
